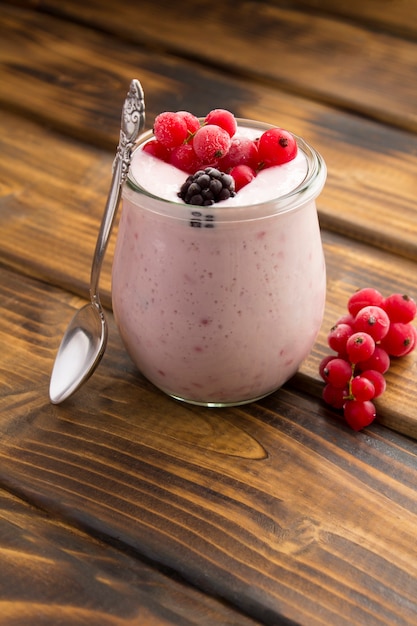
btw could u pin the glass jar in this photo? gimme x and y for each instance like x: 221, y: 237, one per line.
x: 219, y: 306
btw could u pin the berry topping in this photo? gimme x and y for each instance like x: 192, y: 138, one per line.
x: 183, y: 141
x: 242, y: 151
x: 364, y: 339
x: 242, y: 175
x: 276, y: 146
x: 170, y: 129
x: 223, y: 118
x: 206, y: 187
x: 211, y: 143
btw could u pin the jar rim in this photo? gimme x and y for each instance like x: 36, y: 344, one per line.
x: 306, y: 191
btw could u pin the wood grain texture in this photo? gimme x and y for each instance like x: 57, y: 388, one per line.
x: 157, y: 512
x: 277, y: 507
x: 53, y: 574
x: 370, y: 72
x: 394, y: 17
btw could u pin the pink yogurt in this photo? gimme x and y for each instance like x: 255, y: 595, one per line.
x: 220, y: 305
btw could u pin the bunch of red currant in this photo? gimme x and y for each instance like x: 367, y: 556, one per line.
x: 185, y: 142
x: 374, y: 329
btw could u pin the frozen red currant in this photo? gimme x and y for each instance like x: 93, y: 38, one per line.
x: 242, y: 151
x: 192, y: 122
x: 170, y: 129
x: 157, y: 149
x: 185, y: 158
x: 211, y: 143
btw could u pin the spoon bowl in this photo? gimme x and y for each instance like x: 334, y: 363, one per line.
x: 85, y: 339
x: 81, y: 349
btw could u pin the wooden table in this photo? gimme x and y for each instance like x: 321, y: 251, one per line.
x: 121, y: 506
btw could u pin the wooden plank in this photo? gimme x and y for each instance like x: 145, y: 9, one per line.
x: 63, y: 576
x: 276, y: 508
x: 399, y: 17
x: 371, y: 72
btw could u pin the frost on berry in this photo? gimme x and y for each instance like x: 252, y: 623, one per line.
x: 242, y: 151
x: 157, y: 149
x: 184, y: 158
x: 211, y: 143
x: 170, y: 129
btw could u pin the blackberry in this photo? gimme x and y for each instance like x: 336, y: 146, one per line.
x: 206, y: 187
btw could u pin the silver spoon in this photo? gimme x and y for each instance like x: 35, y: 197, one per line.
x: 85, y: 339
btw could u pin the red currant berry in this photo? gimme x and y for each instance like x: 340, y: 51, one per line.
x: 192, y: 122
x: 185, y: 158
x: 223, y: 118
x: 242, y: 175
x: 379, y: 361
x: 413, y: 342
x: 362, y: 388
x: 346, y: 319
x: 338, y: 336
x: 276, y: 146
x: 170, y: 129
x: 325, y: 360
x: 364, y: 297
x: 378, y: 381
x: 211, y: 143
x: 156, y: 149
x: 242, y: 151
x: 335, y: 396
x: 398, y: 339
x: 337, y: 372
x: 372, y: 320
x: 400, y: 308
x: 359, y: 414
x: 359, y: 347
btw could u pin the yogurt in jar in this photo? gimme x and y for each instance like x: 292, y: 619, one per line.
x: 219, y: 305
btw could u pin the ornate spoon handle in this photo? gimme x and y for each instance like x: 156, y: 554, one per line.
x: 132, y: 122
